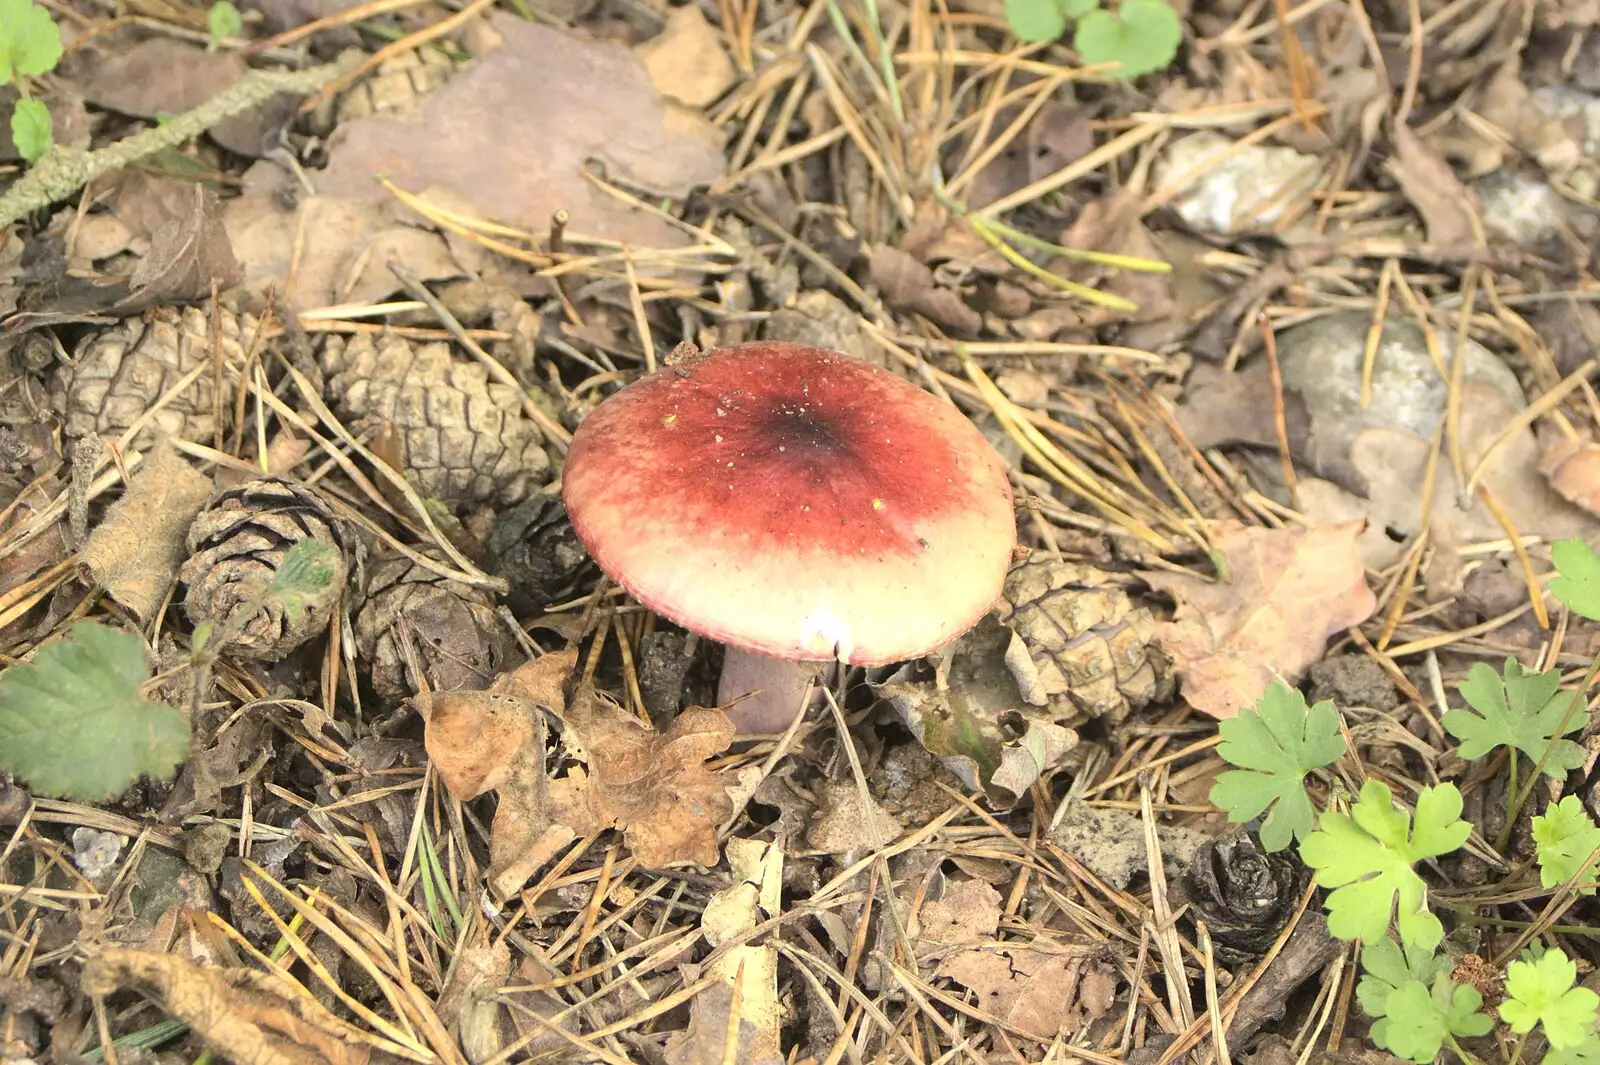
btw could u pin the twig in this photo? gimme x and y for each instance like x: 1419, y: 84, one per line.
x: 65, y: 170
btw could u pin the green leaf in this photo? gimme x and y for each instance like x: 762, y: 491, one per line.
x: 1415, y: 1001
x: 72, y: 722
x: 30, y: 42
x: 1142, y: 35
x: 223, y: 20
x: 30, y: 129
x: 1276, y: 745
x: 1385, y: 967
x: 1076, y: 9
x: 1035, y: 21
x: 1522, y: 710
x: 1541, y: 992
x: 1411, y: 1027
x: 1366, y: 858
x: 1566, y: 836
x: 1577, y: 580
x: 305, y: 572
x: 1585, y: 1053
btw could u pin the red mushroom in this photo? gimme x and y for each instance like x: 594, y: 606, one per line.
x: 794, y: 504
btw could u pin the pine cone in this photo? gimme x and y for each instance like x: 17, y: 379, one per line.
x: 117, y: 374
x: 1244, y: 895
x: 533, y: 547
x: 452, y: 628
x: 399, y: 84
x: 464, y: 440
x: 235, y: 548
x: 1089, y: 646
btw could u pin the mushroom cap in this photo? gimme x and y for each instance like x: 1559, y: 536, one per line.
x: 794, y: 502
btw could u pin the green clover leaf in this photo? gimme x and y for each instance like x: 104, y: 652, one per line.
x: 1142, y: 35
x: 1521, y: 710
x: 30, y: 41
x: 1541, y: 991
x: 1566, y: 836
x: 1577, y: 582
x: 1366, y: 856
x: 1276, y: 745
x: 72, y: 721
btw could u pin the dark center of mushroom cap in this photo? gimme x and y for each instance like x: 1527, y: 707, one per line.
x: 781, y: 447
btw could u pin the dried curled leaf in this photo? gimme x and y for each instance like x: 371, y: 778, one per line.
x: 653, y: 786
x: 136, y: 551
x: 1287, y: 591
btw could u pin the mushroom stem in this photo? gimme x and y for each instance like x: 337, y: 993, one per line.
x: 781, y: 688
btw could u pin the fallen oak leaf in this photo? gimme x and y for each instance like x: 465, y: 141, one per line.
x: 1290, y: 589
x: 653, y: 786
x: 1032, y: 988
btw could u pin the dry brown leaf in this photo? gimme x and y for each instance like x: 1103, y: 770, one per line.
x: 1033, y: 989
x: 516, y: 130
x: 240, y: 1014
x: 686, y: 60
x: 1289, y: 590
x: 969, y: 912
x: 906, y: 283
x: 1426, y: 177
x: 163, y: 76
x: 653, y: 786
x: 344, y: 244
x: 842, y: 824
x: 474, y: 737
x: 136, y: 551
x: 187, y: 256
x: 704, y: 1042
x: 1573, y: 469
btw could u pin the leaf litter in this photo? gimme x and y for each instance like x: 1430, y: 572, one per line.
x: 582, y: 858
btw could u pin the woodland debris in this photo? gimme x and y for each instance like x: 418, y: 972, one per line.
x: 240, y: 1013
x: 687, y: 61
x: 117, y: 375
x: 137, y: 548
x: 235, y: 548
x: 459, y: 437
x: 1288, y: 590
x: 1081, y: 644
x: 515, y: 131
x: 414, y: 618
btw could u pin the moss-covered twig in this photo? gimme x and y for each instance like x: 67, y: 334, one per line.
x: 63, y: 171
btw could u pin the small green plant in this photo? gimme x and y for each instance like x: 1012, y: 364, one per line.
x: 1141, y: 35
x: 30, y: 45
x: 1566, y: 837
x: 223, y: 21
x: 1276, y: 745
x: 1366, y: 857
x: 73, y: 723
x: 1418, y: 1007
x: 1540, y: 991
x: 1577, y: 580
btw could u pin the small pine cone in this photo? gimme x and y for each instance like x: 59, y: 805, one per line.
x: 1085, y: 645
x: 534, y: 548
x: 398, y: 84
x: 463, y: 439
x: 117, y: 374
x: 235, y: 548
x: 454, y: 634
